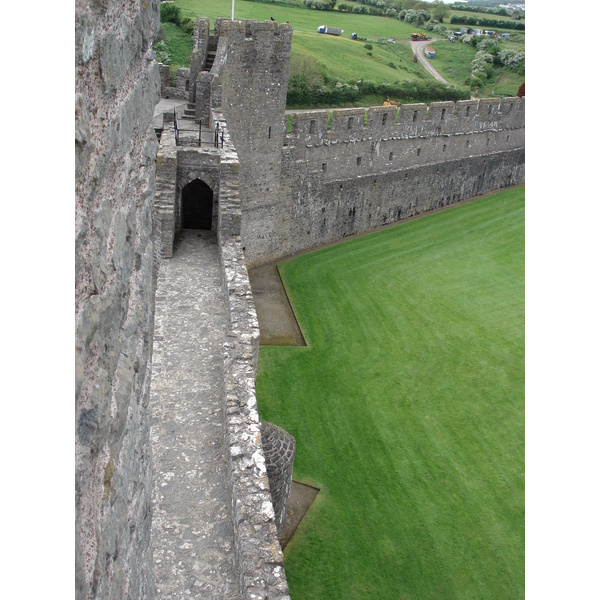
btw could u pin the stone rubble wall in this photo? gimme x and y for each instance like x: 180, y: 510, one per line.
x: 164, y: 201
x: 259, y: 555
x: 117, y: 86
x: 199, y: 52
x: 181, y: 87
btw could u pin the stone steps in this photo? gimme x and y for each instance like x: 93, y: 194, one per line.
x: 189, y: 113
x: 210, y: 59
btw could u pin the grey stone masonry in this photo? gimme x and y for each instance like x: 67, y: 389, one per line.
x: 260, y: 560
x: 279, y: 448
x: 117, y: 85
x: 205, y: 357
x: 192, y: 530
x: 259, y: 554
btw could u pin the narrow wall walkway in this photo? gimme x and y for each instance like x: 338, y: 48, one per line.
x: 192, y: 527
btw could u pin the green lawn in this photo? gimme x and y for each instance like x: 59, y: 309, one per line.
x: 407, y: 407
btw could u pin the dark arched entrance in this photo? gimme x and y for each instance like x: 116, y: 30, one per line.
x: 196, y: 205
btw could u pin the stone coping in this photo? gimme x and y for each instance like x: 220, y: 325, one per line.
x: 259, y: 555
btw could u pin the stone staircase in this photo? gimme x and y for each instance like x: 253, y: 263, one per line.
x: 189, y: 113
x: 210, y: 59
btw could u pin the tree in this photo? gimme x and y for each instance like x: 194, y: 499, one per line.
x: 169, y: 13
x: 440, y: 11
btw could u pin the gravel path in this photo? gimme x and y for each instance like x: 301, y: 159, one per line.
x: 418, y: 49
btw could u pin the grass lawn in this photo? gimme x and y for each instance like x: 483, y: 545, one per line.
x: 407, y: 407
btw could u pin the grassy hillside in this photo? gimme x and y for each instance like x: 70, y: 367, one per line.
x: 453, y: 62
x: 348, y: 60
x: 338, y: 59
x: 342, y: 60
x: 408, y: 408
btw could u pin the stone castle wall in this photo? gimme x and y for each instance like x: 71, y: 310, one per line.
x: 258, y: 553
x: 253, y: 63
x: 354, y: 170
x: 346, y: 172
x: 117, y: 86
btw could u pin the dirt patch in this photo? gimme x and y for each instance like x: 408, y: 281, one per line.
x: 276, y: 319
x: 301, y: 497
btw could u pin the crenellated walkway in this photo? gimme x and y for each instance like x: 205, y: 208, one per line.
x: 192, y: 525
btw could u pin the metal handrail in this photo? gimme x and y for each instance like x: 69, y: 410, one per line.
x: 216, y: 136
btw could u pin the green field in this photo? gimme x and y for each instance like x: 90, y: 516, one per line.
x: 300, y: 18
x: 453, y: 62
x: 407, y: 407
x: 341, y: 59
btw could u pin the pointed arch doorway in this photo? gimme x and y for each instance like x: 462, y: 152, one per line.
x: 196, y: 205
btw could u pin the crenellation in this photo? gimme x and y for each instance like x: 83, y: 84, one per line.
x: 349, y: 149
x: 306, y: 125
x: 488, y: 109
x: 346, y: 122
x: 381, y: 120
x: 412, y: 115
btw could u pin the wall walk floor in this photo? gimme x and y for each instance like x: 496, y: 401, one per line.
x: 192, y: 526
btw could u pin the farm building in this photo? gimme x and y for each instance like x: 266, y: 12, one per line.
x: 429, y: 52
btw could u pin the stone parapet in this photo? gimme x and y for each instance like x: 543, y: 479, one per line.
x: 260, y: 560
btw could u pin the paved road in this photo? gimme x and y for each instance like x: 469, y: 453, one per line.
x: 192, y: 525
x: 418, y: 48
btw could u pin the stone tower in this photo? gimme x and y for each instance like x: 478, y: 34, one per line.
x: 254, y: 89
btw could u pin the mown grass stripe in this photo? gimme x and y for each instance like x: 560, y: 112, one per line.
x: 408, y: 409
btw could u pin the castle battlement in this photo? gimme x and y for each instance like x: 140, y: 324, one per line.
x: 407, y: 120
